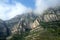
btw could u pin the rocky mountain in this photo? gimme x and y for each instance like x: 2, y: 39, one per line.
x: 43, y: 27
x: 50, y: 21
x: 52, y: 14
x: 25, y: 20
x: 30, y: 22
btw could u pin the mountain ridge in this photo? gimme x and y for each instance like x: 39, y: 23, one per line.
x: 29, y: 21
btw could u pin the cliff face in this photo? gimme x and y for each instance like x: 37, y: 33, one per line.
x: 24, y: 21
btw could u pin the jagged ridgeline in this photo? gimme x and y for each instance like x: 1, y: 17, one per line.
x: 40, y: 27
x: 31, y: 26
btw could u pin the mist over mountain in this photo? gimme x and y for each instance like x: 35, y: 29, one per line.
x: 30, y: 22
x: 11, y: 8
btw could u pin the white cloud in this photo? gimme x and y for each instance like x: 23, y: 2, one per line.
x: 9, y: 11
x: 16, y: 10
x: 42, y: 5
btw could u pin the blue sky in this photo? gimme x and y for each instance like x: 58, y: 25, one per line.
x: 27, y: 3
x: 11, y: 8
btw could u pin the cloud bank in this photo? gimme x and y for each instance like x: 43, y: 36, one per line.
x: 42, y: 5
x: 8, y: 11
x: 11, y: 8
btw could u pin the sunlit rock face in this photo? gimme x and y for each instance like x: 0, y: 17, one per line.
x: 25, y: 21
x: 50, y: 17
x: 34, y: 24
x: 52, y: 14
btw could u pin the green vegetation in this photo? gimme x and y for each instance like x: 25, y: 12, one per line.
x: 51, y: 32
x: 20, y: 36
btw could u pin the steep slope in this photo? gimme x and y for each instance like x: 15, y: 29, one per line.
x: 30, y: 26
x: 24, y: 20
x: 52, y: 14
x: 48, y: 27
x: 50, y: 21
